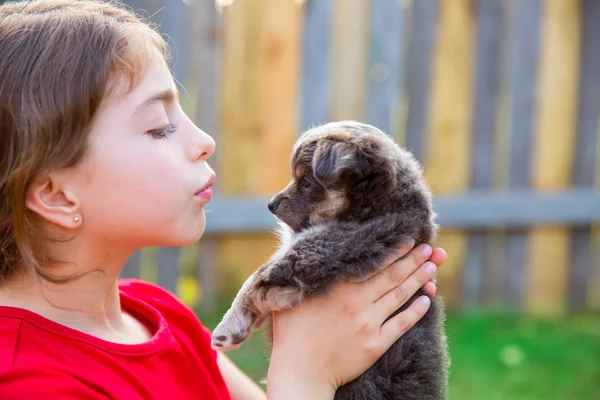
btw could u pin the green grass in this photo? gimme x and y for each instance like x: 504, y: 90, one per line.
x: 519, y: 358
x: 498, y: 357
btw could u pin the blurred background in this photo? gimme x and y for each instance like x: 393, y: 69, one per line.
x: 498, y: 99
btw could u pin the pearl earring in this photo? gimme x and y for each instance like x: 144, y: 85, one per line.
x: 75, y: 219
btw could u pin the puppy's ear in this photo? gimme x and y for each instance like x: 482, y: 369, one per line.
x: 339, y: 164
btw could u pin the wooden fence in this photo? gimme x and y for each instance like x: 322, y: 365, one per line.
x: 499, y: 100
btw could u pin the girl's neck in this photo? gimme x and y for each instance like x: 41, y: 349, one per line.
x: 90, y: 304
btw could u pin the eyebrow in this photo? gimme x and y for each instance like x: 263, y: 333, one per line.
x: 166, y: 96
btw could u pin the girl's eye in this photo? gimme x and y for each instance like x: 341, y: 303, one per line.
x: 163, y: 133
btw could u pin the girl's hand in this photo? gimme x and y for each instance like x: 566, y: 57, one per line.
x: 328, y: 341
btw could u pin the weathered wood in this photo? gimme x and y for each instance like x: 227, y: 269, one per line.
x: 523, y: 86
x: 242, y: 82
x: 348, y: 63
x: 240, y: 254
x: 554, y: 150
x: 137, y: 6
x: 280, y: 92
x: 240, y: 106
x: 475, y: 210
x: 167, y: 264
x: 176, y: 35
x: 261, y: 71
x: 253, y: 92
x: 316, y: 91
x: 488, y: 51
x: 448, y: 142
x: 206, y: 272
x: 132, y: 266
x: 420, y: 55
x: 584, y: 167
x: 385, y: 69
x: 487, y: 71
x: 473, y: 273
x: 494, y: 268
x: 206, y: 25
x: 206, y: 71
x: 593, y: 280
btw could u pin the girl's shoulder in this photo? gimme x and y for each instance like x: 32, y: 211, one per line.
x: 133, y: 291
x: 150, y: 292
x: 181, y: 319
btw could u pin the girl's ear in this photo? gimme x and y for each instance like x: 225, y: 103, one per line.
x: 50, y: 200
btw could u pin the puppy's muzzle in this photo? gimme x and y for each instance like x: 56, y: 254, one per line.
x: 273, y: 204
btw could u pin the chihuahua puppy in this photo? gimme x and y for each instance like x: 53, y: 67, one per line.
x: 354, y: 197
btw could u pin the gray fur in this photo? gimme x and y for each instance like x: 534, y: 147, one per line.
x: 355, y: 196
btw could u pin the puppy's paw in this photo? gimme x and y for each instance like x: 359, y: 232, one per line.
x: 232, y: 331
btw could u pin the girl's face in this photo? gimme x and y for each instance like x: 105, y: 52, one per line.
x: 143, y: 180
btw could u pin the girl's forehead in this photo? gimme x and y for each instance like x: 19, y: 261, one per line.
x: 155, y: 78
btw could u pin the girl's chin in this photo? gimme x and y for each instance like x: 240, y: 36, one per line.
x: 180, y: 236
x: 189, y: 237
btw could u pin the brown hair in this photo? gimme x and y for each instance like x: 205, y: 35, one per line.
x: 58, y: 60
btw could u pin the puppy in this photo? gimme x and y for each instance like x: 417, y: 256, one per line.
x: 355, y: 196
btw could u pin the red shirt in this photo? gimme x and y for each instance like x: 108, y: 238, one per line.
x: 40, y: 359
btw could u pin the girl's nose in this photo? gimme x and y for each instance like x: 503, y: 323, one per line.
x: 203, y: 146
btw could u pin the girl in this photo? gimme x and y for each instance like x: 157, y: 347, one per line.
x: 97, y: 159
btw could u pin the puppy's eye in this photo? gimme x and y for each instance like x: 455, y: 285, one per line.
x: 305, y: 183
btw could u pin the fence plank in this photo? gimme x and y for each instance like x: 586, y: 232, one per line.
x: 132, y: 266
x: 385, y: 69
x: 494, y: 268
x: 280, y: 92
x: 206, y: 45
x: 553, y: 150
x: 240, y: 105
x: 206, y: 272
x: 585, y: 158
x: 593, y: 287
x: 167, y: 265
x: 420, y: 55
x: 240, y: 121
x: 206, y: 69
x: 593, y: 282
x: 450, y: 125
x: 259, y: 112
x: 488, y: 51
x: 176, y: 34
x: 471, y: 210
x: 349, y: 52
x: 523, y: 85
x: 316, y: 91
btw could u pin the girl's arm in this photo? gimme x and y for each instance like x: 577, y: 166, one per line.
x: 240, y: 386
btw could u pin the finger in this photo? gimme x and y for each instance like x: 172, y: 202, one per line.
x: 398, y: 253
x: 401, y: 323
x: 438, y: 256
x: 429, y: 289
x: 394, y: 299
x: 397, y: 272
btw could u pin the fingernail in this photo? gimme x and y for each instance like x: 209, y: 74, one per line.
x: 427, y: 250
x: 426, y: 300
x: 430, y: 268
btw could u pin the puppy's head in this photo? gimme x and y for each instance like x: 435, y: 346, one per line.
x: 339, y: 170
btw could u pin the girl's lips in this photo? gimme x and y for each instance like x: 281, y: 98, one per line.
x: 205, y: 194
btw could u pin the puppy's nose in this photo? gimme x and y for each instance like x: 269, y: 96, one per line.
x: 273, y: 204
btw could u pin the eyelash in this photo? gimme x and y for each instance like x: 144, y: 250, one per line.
x: 163, y: 133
